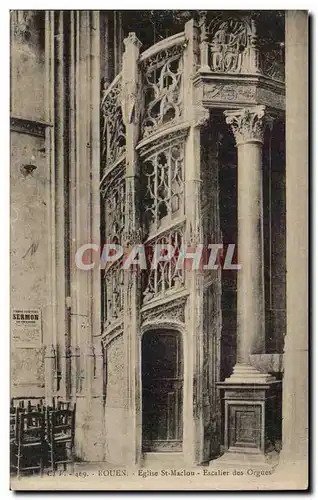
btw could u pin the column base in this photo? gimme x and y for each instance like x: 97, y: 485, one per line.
x: 243, y: 373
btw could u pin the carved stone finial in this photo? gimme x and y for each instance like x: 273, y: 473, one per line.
x: 248, y: 124
x: 132, y: 39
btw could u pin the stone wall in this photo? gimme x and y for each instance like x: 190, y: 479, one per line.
x: 29, y: 231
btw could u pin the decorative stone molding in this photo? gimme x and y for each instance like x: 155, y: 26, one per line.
x: 163, y: 312
x: 248, y: 124
x: 230, y: 92
x: 164, y: 138
x: 111, y: 174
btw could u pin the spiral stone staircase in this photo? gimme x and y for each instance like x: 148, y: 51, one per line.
x: 158, y: 115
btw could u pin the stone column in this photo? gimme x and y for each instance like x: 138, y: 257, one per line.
x: 249, y: 395
x: 295, y: 394
x: 248, y: 128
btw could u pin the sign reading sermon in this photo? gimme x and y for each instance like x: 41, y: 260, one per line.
x: 26, y: 327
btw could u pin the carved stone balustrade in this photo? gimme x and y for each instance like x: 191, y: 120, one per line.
x: 113, y: 127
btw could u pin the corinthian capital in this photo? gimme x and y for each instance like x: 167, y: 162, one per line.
x: 248, y: 124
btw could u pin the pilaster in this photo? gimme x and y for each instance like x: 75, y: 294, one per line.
x: 84, y: 303
x: 296, y: 377
x: 131, y: 99
x: 193, y: 394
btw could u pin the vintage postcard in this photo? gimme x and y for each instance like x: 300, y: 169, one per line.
x: 159, y: 239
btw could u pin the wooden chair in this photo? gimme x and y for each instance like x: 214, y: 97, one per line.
x: 14, y: 424
x: 64, y: 405
x: 14, y: 428
x: 30, y: 447
x: 61, y: 434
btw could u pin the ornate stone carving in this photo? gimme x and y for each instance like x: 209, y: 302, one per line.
x: 114, y: 292
x: 229, y: 92
x: 173, y: 311
x: 113, y: 280
x: 162, y: 88
x: 165, y: 278
x: 132, y: 236
x: 111, y: 176
x: 232, y: 45
x: 163, y: 174
x: 113, y: 128
x: 114, y: 210
x: 248, y: 124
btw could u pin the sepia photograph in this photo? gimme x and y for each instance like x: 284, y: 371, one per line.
x: 159, y: 250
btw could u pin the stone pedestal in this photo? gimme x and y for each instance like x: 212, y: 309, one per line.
x: 250, y: 419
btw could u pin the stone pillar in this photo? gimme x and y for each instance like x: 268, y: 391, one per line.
x: 131, y: 112
x: 248, y: 127
x: 295, y: 393
x: 249, y: 395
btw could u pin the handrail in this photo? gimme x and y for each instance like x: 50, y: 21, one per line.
x: 110, y: 87
x: 177, y: 39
